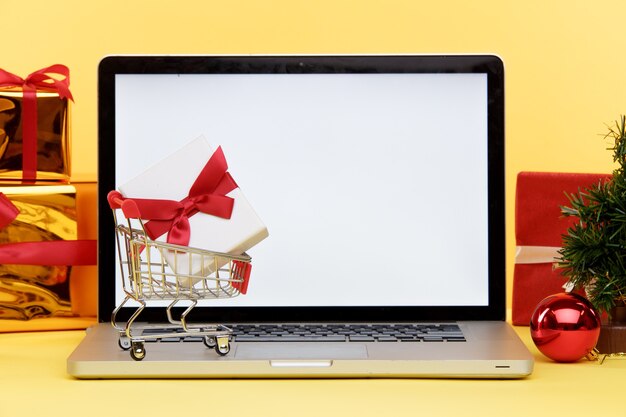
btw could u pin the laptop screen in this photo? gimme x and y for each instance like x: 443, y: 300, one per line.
x: 373, y: 175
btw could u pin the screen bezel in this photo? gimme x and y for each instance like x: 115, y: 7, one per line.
x: 487, y: 64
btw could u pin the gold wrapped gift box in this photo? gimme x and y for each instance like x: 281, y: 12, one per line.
x: 84, y: 283
x: 46, y: 213
x: 53, y: 141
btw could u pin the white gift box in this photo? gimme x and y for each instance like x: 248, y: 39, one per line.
x: 171, y: 179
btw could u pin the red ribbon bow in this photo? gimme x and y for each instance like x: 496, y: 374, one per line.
x: 37, y: 80
x: 206, y: 195
x: 53, y: 252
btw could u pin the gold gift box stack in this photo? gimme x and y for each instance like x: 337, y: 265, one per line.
x: 47, y: 211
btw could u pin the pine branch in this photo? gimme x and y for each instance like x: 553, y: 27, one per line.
x: 593, y: 255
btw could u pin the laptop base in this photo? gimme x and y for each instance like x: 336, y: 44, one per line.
x: 492, y: 350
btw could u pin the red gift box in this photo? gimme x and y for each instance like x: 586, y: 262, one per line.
x: 539, y: 226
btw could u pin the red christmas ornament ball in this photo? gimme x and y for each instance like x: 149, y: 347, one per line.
x: 565, y: 327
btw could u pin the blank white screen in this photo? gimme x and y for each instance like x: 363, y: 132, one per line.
x: 373, y: 186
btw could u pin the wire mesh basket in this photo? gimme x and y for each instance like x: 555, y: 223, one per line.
x: 154, y: 271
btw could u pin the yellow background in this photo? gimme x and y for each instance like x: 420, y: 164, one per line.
x: 564, y: 59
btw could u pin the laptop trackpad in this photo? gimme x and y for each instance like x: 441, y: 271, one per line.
x: 296, y: 350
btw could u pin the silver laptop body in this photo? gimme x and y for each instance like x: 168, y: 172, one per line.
x: 381, y: 182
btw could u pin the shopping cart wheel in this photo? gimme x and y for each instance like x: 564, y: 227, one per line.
x: 123, y: 341
x: 209, y: 341
x: 223, y: 346
x: 137, y: 351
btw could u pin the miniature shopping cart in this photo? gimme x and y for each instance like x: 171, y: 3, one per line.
x: 149, y: 276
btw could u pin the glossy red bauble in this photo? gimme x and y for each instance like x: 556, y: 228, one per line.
x: 565, y: 327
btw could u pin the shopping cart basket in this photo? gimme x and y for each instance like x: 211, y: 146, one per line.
x: 148, y: 277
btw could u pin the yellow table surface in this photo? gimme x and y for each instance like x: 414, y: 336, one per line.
x: 33, y: 382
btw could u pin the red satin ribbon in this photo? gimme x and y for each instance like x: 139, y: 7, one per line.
x: 54, y: 252
x: 8, y: 211
x: 51, y: 252
x: 37, y: 80
x: 206, y: 195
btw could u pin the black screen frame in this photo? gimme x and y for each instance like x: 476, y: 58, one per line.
x: 487, y: 64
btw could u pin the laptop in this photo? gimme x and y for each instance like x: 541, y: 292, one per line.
x: 380, y: 180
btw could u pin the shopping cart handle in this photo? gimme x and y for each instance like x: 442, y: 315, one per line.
x: 115, y: 199
x: 130, y: 209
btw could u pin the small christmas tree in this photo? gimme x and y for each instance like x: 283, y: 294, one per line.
x: 593, y: 255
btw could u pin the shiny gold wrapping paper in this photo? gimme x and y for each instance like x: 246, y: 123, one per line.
x: 84, y: 283
x: 47, y: 212
x: 53, y: 139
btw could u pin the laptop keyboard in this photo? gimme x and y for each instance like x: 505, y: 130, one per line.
x: 448, y: 332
